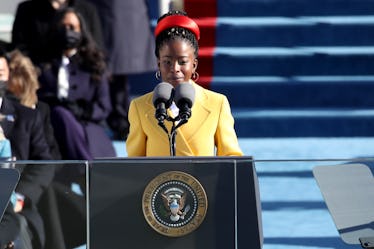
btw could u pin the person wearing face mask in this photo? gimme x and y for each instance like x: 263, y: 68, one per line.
x: 23, y: 85
x: 28, y: 143
x: 23, y: 225
x: 33, y: 19
x: 75, y: 86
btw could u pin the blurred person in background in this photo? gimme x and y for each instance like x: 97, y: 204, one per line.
x: 23, y: 84
x: 24, y: 129
x: 33, y: 19
x: 128, y: 41
x: 62, y: 210
x: 5, y: 149
x: 75, y: 86
x: 22, y: 125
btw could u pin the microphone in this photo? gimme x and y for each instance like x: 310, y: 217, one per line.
x: 162, y: 99
x: 184, y: 99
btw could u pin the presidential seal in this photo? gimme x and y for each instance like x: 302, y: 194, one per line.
x: 174, y: 203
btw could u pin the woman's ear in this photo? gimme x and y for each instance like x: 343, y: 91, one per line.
x: 195, y: 63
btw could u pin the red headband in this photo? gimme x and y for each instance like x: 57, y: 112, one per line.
x: 178, y: 21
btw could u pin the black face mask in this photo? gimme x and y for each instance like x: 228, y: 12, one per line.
x: 3, y: 87
x: 70, y: 38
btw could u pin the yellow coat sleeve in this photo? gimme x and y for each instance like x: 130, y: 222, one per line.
x: 136, y: 141
x: 225, y: 137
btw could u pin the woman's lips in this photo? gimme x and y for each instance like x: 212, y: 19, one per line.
x: 177, y: 79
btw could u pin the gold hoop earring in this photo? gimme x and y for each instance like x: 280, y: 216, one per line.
x: 195, y: 76
x: 158, y: 75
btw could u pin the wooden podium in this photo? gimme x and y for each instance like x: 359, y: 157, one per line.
x: 218, y: 201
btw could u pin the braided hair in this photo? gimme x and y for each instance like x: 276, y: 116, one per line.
x: 175, y: 33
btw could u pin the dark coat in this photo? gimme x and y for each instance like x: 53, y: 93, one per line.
x: 127, y: 36
x: 45, y: 114
x: 33, y: 21
x: 64, y: 215
x: 9, y: 227
x: 96, y: 108
x: 25, y: 132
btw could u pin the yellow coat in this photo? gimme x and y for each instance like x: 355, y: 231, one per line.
x: 209, y: 131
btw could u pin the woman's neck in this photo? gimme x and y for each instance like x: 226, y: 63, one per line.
x: 70, y: 52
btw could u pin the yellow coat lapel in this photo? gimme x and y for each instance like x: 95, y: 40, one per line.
x: 200, y: 112
x: 153, y: 123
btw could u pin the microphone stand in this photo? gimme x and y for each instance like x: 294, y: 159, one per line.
x: 173, y: 131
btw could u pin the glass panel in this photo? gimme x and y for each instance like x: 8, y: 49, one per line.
x: 55, y: 212
x: 303, y: 203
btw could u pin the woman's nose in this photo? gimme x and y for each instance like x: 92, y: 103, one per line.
x: 175, y: 66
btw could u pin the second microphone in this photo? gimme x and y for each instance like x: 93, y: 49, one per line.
x: 183, y: 96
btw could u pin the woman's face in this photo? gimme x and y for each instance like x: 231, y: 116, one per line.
x: 177, y: 61
x: 71, y: 22
x: 4, y: 69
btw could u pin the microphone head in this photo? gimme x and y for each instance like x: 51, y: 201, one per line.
x: 163, y: 93
x: 184, y: 94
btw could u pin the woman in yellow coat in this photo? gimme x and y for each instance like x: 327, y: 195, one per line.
x: 210, y: 129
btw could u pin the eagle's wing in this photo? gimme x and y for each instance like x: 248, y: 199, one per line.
x: 165, y: 200
x: 182, y: 201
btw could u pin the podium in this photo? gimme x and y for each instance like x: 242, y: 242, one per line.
x: 8, y: 181
x: 218, y: 199
x: 349, y: 196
